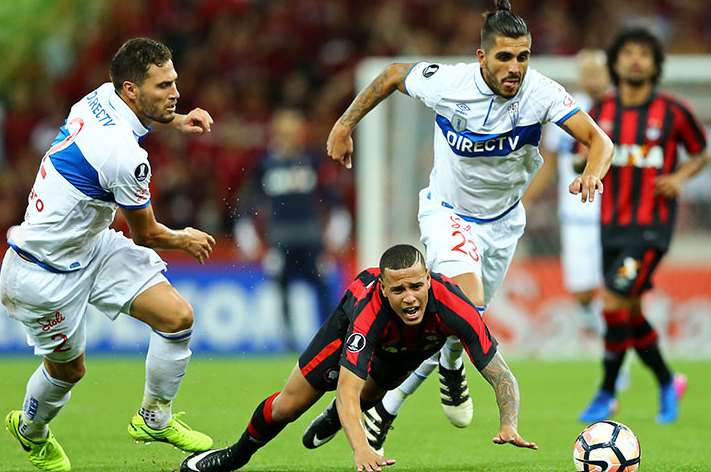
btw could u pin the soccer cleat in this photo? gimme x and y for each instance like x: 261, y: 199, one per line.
x: 669, y: 396
x: 46, y: 455
x: 176, y: 433
x: 602, y: 407
x: 221, y: 460
x: 377, y: 422
x: 456, y: 403
x: 323, y: 428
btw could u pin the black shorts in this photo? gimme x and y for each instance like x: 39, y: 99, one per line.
x: 628, y: 270
x: 320, y: 361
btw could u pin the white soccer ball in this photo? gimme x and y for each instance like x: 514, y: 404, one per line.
x: 607, y: 446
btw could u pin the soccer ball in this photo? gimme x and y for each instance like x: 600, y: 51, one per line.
x: 607, y: 446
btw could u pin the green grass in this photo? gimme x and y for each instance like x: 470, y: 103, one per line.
x: 220, y: 394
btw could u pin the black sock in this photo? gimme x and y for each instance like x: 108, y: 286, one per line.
x: 617, y: 338
x: 262, y: 428
x: 645, y: 343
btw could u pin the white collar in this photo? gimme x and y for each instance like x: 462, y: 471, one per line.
x: 125, y: 112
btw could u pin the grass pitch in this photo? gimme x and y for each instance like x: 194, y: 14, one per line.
x: 220, y: 394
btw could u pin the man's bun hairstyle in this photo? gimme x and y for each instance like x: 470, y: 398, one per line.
x: 502, y: 22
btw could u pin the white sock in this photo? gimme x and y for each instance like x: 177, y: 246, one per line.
x: 166, y: 364
x: 450, y: 356
x: 394, y: 399
x: 44, y: 397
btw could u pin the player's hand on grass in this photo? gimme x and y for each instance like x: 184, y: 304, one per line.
x: 586, y: 185
x: 339, y: 145
x: 509, y: 435
x: 199, y: 244
x: 367, y: 460
x: 198, y: 121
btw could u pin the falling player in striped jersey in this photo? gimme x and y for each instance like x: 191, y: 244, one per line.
x: 638, y: 208
x: 488, y: 120
x: 64, y: 257
x: 390, y: 319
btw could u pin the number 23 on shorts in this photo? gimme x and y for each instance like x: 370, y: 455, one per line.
x: 463, y: 237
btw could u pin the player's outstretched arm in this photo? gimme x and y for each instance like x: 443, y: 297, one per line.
x: 340, y: 144
x: 498, y: 374
x: 348, y: 405
x: 146, y: 231
x: 600, y: 150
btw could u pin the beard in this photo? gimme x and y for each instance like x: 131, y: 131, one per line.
x: 152, y: 111
x: 494, y: 83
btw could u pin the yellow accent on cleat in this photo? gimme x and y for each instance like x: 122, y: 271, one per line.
x: 176, y: 433
x: 46, y: 455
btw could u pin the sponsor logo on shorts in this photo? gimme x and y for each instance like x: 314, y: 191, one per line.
x: 331, y: 375
x: 51, y: 322
x: 355, y: 342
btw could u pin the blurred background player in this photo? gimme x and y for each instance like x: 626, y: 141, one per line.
x: 581, y: 252
x: 487, y: 129
x: 390, y: 319
x: 64, y: 257
x: 292, y: 201
x: 639, y: 207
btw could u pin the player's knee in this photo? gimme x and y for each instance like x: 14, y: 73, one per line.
x: 287, y: 410
x: 76, y: 373
x: 182, y: 316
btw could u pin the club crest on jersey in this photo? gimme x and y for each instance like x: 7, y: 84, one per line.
x: 430, y: 70
x: 141, y: 172
x: 355, y: 342
x: 513, y: 113
x: 653, y: 133
x: 459, y: 123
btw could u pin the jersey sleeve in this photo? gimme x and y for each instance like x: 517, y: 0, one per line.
x: 429, y: 81
x: 691, y: 133
x: 128, y: 179
x: 559, y: 105
x: 367, y: 322
x: 461, y: 318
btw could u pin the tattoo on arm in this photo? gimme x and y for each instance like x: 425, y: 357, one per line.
x: 380, y: 88
x: 498, y: 374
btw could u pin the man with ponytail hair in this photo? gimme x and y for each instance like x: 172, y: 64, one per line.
x: 488, y: 120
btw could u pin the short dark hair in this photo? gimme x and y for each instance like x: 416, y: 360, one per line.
x: 132, y: 61
x: 401, y: 256
x: 502, y: 22
x: 635, y: 35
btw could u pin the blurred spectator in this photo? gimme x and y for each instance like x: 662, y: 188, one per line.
x: 248, y: 58
x: 291, y: 214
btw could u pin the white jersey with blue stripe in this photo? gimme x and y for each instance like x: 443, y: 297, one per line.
x: 485, y: 146
x: 94, y: 166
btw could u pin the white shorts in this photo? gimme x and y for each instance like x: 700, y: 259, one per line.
x: 581, y: 256
x: 53, y: 306
x: 455, y: 246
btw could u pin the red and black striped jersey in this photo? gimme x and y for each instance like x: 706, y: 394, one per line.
x: 646, y: 139
x: 375, y: 330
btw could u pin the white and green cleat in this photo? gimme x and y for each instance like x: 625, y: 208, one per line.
x: 176, y: 433
x: 46, y: 455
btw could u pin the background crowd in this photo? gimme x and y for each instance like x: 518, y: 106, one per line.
x: 243, y: 60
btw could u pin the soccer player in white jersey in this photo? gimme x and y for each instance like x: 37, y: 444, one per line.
x: 581, y: 250
x: 488, y: 120
x: 64, y: 257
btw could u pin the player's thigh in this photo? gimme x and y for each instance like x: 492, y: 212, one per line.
x: 126, y: 272
x: 629, y: 270
x: 51, y: 306
x: 452, y: 246
x: 297, y: 396
x: 320, y: 361
x: 499, y: 241
x: 581, y: 256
